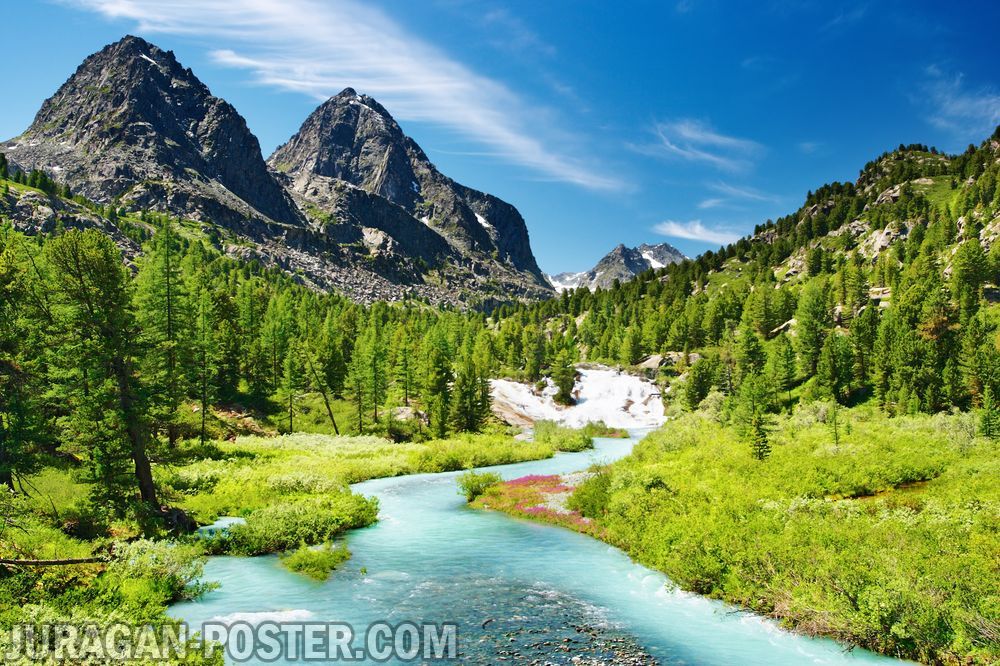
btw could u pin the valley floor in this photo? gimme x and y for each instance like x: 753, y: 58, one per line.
x: 883, y: 534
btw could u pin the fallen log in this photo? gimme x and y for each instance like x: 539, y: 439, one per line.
x: 52, y: 563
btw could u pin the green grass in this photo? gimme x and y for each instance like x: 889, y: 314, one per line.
x: 887, y: 539
x: 940, y: 194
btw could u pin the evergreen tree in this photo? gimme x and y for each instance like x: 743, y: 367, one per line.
x: 753, y: 404
x: 814, y: 319
x: 96, y: 334
x: 833, y: 371
x: 292, y: 381
x: 750, y: 354
x: 564, y: 376
x: 470, y: 403
x: 204, y: 367
x: 164, y: 315
x: 989, y: 415
x: 699, y: 382
x: 781, y: 365
x: 631, y: 347
x: 969, y: 270
x: 20, y: 423
x: 437, y: 384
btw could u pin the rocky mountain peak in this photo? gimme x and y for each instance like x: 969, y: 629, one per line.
x: 621, y: 263
x: 133, y: 123
x: 352, y: 140
x: 352, y: 203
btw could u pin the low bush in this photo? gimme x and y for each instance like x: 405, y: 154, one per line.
x: 473, y: 484
x: 284, y: 526
x: 317, y: 562
x: 562, y: 438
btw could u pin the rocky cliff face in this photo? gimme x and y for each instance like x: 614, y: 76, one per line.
x: 351, y: 139
x: 352, y: 204
x: 133, y: 124
x: 622, y: 264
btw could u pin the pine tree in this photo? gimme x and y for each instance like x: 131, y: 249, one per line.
x: 814, y: 320
x: 969, y: 270
x: 989, y: 415
x: 631, y: 347
x: 753, y: 404
x: 292, y: 381
x: 833, y: 370
x: 20, y: 421
x: 164, y: 315
x: 564, y: 376
x: 437, y: 383
x: 97, y: 339
x: 204, y: 367
x: 781, y: 365
x: 404, y: 371
x: 700, y: 378
x: 750, y: 354
x: 469, y: 396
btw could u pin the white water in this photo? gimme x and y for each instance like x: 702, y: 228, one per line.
x: 620, y: 400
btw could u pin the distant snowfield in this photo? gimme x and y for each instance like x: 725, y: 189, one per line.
x: 618, y: 399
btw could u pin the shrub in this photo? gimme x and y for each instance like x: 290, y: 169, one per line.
x: 561, y: 438
x: 284, y: 526
x: 591, y: 497
x: 173, y: 568
x: 316, y: 562
x: 474, y: 484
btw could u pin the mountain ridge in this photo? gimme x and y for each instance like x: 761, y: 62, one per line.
x: 621, y: 264
x: 135, y: 130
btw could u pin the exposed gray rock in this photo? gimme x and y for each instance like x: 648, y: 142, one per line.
x: 351, y: 162
x: 359, y: 208
x: 133, y: 124
x: 622, y: 264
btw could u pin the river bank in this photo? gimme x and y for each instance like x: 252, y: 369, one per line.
x: 881, y: 538
x: 516, y: 589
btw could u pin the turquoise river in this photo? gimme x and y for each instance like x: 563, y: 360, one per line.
x: 514, y: 587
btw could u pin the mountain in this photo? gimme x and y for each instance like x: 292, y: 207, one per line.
x: 350, y: 150
x: 132, y: 124
x: 352, y: 204
x: 622, y: 264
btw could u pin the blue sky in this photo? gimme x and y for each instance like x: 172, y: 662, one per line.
x: 687, y: 121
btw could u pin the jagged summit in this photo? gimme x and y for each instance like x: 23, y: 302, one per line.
x: 352, y: 139
x: 352, y: 203
x: 622, y: 264
x: 133, y: 124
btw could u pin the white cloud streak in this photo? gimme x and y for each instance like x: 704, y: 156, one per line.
x: 969, y: 114
x: 318, y: 48
x: 696, y: 141
x: 732, y: 193
x: 696, y: 231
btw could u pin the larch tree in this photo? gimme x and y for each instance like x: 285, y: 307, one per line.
x: 164, y: 316
x: 97, y: 334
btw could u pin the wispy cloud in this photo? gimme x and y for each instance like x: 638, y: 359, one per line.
x: 318, y: 48
x: 515, y: 36
x: 808, y: 147
x: 696, y: 231
x: 967, y: 113
x: 845, y: 17
x: 696, y: 141
x: 734, y: 193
